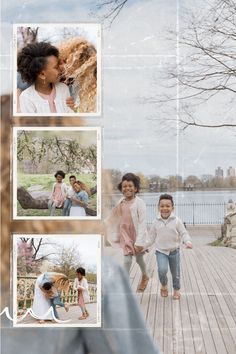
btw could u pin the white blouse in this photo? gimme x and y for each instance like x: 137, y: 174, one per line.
x: 32, y: 102
x: 82, y: 285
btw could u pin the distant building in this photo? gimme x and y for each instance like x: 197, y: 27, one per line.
x: 231, y: 172
x: 219, y: 173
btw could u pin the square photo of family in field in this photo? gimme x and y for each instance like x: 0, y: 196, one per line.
x: 57, y: 280
x: 56, y: 69
x: 56, y: 173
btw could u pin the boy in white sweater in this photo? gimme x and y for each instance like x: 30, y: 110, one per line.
x: 167, y: 232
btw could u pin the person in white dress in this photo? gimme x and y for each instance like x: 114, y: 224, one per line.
x: 42, y: 302
x: 80, y: 200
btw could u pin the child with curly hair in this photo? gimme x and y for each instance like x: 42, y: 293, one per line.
x: 127, y: 225
x: 38, y: 64
x: 167, y: 233
x: 59, y: 192
x: 81, y: 285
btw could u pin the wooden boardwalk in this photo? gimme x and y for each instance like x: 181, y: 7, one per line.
x: 204, y: 320
x: 72, y: 315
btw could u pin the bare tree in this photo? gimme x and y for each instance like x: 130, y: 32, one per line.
x: 110, y: 9
x: 27, y: 35
x: 68, y: 260
x: 204, y: 73
x: 205, y: 67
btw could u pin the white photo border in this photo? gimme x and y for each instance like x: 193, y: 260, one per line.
x: 15, y: 131
x: 80, y: 114
x: 15, y: 237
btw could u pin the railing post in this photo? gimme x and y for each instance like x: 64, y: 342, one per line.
x: 193, y: 213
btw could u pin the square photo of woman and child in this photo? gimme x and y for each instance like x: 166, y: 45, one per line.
x: 57, y: 69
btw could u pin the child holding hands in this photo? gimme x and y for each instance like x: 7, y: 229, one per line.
x: 167, y: 232
x: 127, y: 225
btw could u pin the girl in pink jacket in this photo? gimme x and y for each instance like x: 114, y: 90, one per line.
x: 127, y: 225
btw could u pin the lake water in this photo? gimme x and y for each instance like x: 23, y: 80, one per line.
x: 193, y: 207
x: 194, y: 196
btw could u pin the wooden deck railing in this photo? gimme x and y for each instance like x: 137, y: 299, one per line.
x: 25, y: 292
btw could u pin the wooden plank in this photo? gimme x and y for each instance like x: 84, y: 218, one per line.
x: 215, y: 275
x: 223, y: 313
x: 225, y: 332
x: 224, y: 259
x: 167, y: 324
x: 196, y: 305
x: 203, y: 321
x: 184, y: 309
x: 149, y: 260
x: 208, y: 291
x: 159, y: 320
x: 152, y: 305
x: 227, y: 268
x: 200, y: 299
x: 225, y: 284
x: 177, y: 335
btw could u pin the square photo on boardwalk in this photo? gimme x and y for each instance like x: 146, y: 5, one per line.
x: 57, y: 280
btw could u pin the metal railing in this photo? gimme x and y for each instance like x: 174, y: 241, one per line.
x: 193, y: 213
x: 25, y: 292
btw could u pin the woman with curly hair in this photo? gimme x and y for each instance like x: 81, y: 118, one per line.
x: 80, y: 200
x: 38, y: 64
x: 48, y: 288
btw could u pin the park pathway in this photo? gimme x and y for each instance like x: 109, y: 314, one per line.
x: 204, y: 320
x: 72, y: 315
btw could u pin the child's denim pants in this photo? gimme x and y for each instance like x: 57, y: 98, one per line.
x: 56, y: 301
x: 172, y: 260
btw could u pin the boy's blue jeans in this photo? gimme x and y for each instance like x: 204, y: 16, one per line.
x: 172, y: 260
x: 56, y: 301
x: 66, y: 207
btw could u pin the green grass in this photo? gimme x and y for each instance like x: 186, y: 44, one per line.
x: 46, y: 181
x: 216, y: 243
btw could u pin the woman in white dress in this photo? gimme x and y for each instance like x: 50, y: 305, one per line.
x: 41, y: 303
x: 80, y: 200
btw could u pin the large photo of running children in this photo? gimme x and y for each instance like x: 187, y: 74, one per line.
x: 56, y: 173
x: 57, y: 69
x: 57, y: 280
x: 128, y: 229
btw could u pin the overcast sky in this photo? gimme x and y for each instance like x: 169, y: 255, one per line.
x: 135, y: 52
x: 86, y: 246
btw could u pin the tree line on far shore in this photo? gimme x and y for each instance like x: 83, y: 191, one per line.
x: 155, y: 183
